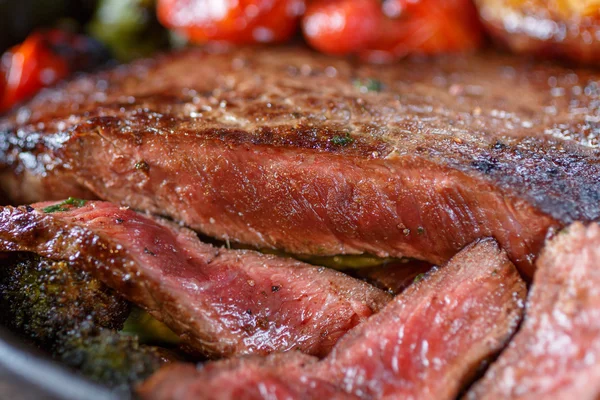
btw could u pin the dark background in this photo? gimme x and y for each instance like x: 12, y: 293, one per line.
x: 19, y: 17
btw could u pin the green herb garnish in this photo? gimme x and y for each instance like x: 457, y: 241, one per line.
x: 142, y: 166
x: 419, y: 278
x: 64, y: 206
x: 342, y: 140
x: 368, y: 85
x: 420, y: 230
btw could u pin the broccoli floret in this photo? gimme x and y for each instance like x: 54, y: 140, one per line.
x: 42, y: 298
x: 129, y: 28
x: 109, y: 358
x: 76, y: 318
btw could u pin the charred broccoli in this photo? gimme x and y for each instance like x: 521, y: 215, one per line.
x: 76, y: 318
x: 109, y: 358
x: 42, y: 298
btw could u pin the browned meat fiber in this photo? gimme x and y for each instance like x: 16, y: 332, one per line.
x: 556, y: 354
x: 428, y: 343
x: 284, y: 148
x: 221, y: 302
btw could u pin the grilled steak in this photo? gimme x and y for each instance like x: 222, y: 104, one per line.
x: 222, y: 302
x: 278, y: 376
x: 284, y: 148
x: 429, y: 342
x: 426, y: 344
x: 556, y: 353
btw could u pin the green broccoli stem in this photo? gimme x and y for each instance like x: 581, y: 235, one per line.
x: 148, y: 330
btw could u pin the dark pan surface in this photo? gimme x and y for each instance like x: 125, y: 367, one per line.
x: 25, y: 374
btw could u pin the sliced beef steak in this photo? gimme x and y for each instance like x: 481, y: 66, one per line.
x: 279, y: 376
x: 222, y: 302
x: 556, y: 354
x: 428, y: 343
x: 284, y: 148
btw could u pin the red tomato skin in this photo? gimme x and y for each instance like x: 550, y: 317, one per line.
x: 424, y: 27
x: 341, y: 26
x: 236, y: 22
x: 27, y: 68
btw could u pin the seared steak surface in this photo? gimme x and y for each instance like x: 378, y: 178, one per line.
x: 221, y: 302
x: 556, y: 353
x: 284, y: 148
x: 426, y: 344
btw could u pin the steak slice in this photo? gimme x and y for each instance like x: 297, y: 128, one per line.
x: 556, y: 353
x: 428, y: 343
x: 278, y: 376
x: 284, y: 148
x: 221, y: 302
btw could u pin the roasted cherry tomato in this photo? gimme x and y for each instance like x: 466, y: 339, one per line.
x: 2, y: 82
x: 383, y: 30
x: 563, y: 28
x: 239, y: 22
x: 41, y: 60
x: 29, y: 67
x: 342, y: 26
x: 424, y: 27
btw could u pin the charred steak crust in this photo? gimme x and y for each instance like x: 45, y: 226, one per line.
x: 263, y: 146
x: 555, y: 353
x: 221, y: 302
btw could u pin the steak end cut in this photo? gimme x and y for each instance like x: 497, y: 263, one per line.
x: 556, y: 353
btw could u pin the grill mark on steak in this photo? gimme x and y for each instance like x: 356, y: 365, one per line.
x: 555, y: 353
x: 221, y: 302
x: 262, y: 146
x: 428, y: 343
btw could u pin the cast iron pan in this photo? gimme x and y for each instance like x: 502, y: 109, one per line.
x: 26, y: 374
